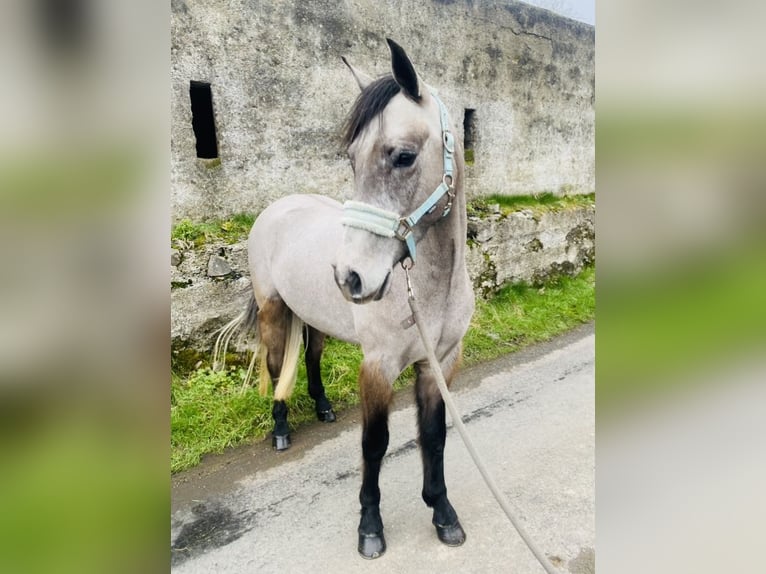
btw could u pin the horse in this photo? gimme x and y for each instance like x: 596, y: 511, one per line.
x: 322, y: 268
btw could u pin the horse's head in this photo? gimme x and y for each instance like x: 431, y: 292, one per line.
x: 401, y: 150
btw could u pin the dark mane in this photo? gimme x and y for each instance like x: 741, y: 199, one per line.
x: 370, y: 102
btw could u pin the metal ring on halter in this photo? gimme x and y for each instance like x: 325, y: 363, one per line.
x: 451, y: 180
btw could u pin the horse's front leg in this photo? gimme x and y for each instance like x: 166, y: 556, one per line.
x: 433, y: 433
x: 376, y: 393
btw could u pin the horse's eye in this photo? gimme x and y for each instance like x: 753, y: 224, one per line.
x: 405, y: 159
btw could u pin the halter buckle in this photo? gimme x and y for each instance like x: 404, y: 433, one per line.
x: 403, y: 230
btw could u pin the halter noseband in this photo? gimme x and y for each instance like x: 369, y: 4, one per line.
x: 389, y: 224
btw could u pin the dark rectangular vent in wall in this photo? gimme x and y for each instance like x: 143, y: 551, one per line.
x: 203, y: 119
x: 469, y: 134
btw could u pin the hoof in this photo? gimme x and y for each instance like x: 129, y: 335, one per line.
x: 452, y: 535
x: 327, y: 416
x: 371, y: 545
x: 280, y: 442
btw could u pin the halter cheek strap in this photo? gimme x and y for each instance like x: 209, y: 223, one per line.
x: 389, y: 224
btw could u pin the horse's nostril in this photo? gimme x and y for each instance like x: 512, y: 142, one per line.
x: 354, y: 283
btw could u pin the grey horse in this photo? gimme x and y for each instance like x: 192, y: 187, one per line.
x: 319, y: 267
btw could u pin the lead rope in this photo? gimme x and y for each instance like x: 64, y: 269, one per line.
x: 458, y: 423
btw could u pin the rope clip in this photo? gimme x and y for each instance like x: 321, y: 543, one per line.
x: 407, y: 264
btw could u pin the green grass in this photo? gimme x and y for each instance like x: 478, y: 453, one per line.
x: 230, y: 230
x: 211, y: 411
x: 537, y: 204
x: 520, y: 315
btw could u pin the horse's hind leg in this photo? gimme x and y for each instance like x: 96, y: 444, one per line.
x: 313, y: 341
x: 273, y: 318
x: 376, y: 393
x: 433, y: 433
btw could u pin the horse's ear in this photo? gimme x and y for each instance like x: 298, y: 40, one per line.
x: 404, y: 71
x: 361, y: 78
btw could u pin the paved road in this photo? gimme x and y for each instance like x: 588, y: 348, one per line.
x: 531, y: 415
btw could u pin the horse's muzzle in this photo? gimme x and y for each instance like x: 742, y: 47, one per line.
x: 354, y: 289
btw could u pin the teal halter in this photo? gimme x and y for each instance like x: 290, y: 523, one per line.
x: 389, y: 224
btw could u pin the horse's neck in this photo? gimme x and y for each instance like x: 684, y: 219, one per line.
x: 444, y: 246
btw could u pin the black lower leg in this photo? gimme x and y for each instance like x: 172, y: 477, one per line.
x: 281, y: 434
x: 433, y: 434
x: 376, y: 393
x: 313, y: 341
x: 374, y: 445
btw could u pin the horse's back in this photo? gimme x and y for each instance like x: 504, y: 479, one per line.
x: 291, y: 248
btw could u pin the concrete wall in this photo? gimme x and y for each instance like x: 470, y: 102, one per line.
x: 280, y: 93
x: 524, y: 247
x: 212, y: 284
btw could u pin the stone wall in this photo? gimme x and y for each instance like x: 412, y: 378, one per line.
x: 524, y: 247
x: 280, y: 93
x: 211, y: 285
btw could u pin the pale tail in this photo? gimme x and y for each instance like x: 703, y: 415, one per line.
x: 289, y: 370
x: 246, y: 323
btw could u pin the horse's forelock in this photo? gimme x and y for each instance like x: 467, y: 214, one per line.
x: 368, y: 105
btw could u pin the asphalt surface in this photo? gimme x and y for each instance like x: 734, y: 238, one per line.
x: 531, y: 416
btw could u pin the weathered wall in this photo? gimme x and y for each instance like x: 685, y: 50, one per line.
x: 280, y: 93
x: 212, y: 285
x: 524, y: 247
